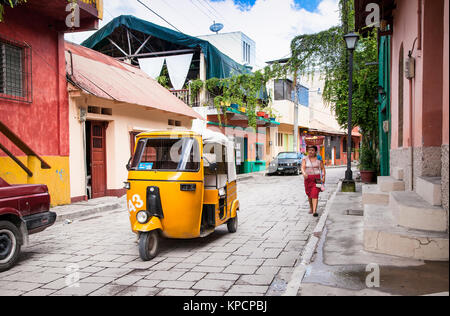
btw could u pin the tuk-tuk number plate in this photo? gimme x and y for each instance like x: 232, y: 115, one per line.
x: 135, y: 203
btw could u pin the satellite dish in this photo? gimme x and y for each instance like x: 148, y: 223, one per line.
x: 216, y: 27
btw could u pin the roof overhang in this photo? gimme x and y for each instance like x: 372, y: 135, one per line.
x: 366, y: 9
x: 58, y: 10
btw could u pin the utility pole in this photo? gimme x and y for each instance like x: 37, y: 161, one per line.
x: 295, y: 112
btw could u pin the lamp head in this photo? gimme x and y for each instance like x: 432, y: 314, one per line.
x: 351, y: 40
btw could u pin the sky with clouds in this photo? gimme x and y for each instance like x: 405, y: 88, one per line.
x: 272, y: 24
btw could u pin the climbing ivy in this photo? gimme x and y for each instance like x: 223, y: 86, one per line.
x: 195, y: 87
x: 326, y: 53
x: 243, y: 89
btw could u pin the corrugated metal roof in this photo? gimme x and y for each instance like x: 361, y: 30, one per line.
x: 108, y: 78
x: 219, y: 65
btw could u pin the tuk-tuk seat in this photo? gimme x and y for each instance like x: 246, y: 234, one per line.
x: 210, y: 181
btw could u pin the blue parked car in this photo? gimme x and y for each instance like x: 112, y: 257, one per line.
x: 286, y: 163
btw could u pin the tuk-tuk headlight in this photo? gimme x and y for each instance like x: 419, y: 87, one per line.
x: 127, y: 185
x: 142, y: 217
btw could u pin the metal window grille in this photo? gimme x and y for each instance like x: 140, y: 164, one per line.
x: 15, y: 71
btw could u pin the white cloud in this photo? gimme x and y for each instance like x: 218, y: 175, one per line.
x: 272, y: 24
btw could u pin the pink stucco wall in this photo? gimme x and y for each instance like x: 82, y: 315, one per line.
x: 445, y: 98
x: 405, y: 32
x: 423, y: 95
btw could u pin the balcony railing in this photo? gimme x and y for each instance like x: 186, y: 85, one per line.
x: 185, y: 96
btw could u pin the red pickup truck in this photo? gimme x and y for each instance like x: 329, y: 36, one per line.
x: 24, y: 210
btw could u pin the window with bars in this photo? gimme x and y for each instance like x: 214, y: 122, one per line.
x: 246, y: 52
x: 280, y: 142
x: 283, y: 90
x: 15, y: 71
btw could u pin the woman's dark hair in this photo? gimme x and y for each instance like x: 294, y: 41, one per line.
x: 313, y: 147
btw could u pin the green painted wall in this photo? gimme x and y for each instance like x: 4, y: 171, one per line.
x: 384, y: 110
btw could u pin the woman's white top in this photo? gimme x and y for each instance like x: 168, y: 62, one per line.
x: 312, y: 168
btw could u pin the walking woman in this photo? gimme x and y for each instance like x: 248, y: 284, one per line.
x: 314, y: 173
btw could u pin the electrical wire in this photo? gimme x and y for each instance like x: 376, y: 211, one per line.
x: 158, y: 15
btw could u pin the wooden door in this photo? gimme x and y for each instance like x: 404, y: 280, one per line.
x: 98, y: 159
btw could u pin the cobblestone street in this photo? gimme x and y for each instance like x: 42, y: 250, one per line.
x: 98, y: 255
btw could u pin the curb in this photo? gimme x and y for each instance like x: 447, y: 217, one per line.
x: 250, y: 176
x: 87, y: 211
x: 307, y: 254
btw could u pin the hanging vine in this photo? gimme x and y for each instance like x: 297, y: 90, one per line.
x: 326, y: 53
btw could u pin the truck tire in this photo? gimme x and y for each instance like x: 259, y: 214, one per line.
x: 9, y: 245
x: 149, y: 245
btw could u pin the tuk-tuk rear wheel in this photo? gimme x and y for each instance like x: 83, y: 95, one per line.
x: 149, y: 245
x: 232, y: 225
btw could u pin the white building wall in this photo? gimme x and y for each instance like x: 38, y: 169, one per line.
x: 125, y: 119
x: 319, y: 110
x: 231, y: 44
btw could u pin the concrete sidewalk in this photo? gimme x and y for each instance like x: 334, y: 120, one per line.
x: 341, y: 266
x: 81, y: 209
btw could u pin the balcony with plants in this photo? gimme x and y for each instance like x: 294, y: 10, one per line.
x: 240, y: 97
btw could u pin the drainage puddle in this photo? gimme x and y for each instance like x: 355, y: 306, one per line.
x: 430, y: 278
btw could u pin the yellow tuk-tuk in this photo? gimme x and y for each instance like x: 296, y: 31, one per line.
x: 181, y: 185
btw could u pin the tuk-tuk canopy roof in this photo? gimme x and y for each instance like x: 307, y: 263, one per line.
x: 208, y: 137
x: 219, y: 65
x: 211, y: 137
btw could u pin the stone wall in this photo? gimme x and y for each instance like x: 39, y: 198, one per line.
x: 445, y: 167
x: 401, y: 158
x: 427, y: 163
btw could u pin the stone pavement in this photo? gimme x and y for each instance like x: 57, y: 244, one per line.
x: 105, y: 204
x: 340, y: 263
x: 98, y: 254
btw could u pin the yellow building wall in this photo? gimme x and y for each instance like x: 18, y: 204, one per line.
x: 57, y: 178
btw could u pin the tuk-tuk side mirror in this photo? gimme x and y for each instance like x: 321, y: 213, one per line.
x: 129, y: 164
x: 213, y: 167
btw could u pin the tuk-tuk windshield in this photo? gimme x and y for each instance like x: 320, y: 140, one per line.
x: 166, y: 154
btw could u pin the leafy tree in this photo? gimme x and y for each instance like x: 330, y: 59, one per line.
x: 325, y: 52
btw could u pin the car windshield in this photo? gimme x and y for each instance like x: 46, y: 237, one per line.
x: 288, y: 156
x: 166, y: 154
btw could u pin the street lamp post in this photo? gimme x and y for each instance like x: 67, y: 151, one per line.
x: 349, y: 184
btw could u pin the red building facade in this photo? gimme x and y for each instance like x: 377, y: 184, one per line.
x: 34, y: 113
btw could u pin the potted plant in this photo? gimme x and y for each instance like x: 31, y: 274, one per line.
x: 368, y: 164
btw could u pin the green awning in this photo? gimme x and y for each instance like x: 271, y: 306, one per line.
x: 219, y: 65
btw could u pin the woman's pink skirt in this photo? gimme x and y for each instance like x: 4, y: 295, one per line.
x: 310, y: 187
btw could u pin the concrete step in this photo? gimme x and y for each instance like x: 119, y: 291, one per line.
x: 398, y: 174
x: 371, y: 194
x: 411, y: 211
x: 389, y: 184
x: 430, y: 189
x: 383, y: 236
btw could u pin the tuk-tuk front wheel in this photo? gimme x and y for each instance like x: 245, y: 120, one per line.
x: 232, y: 225
x: 149, y: 245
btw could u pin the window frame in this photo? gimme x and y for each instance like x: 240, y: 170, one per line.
x: 25, y: 71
